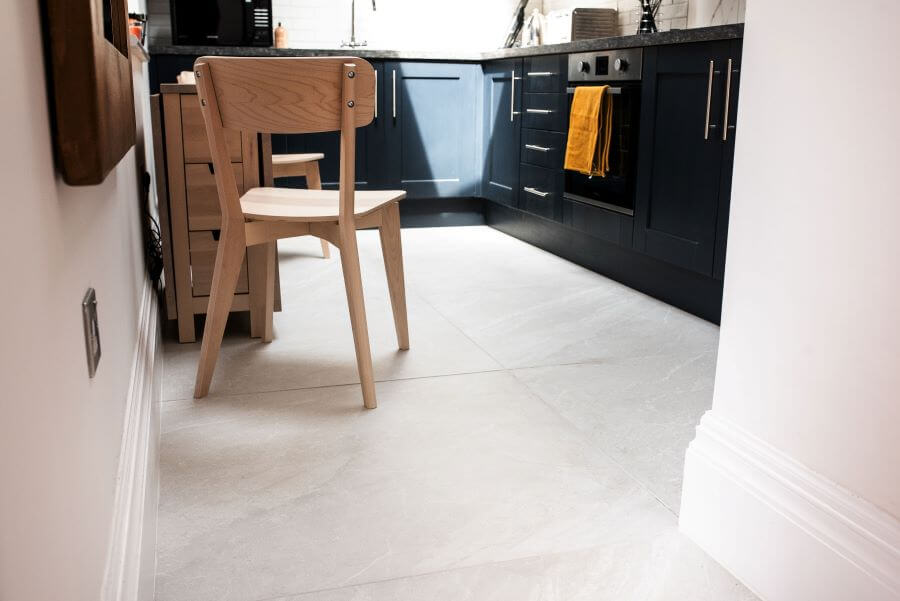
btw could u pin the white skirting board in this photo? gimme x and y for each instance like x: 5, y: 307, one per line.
x: 786, y: 532
x: 131, y: 563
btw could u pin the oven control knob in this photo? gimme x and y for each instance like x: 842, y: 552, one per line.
x: 584, y: 67
x: 620, y: 64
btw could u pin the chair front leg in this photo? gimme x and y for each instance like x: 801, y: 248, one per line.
x: 392, y: 251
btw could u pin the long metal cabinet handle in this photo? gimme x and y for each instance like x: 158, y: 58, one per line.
x: 539, y: 111
x: 538, y: 148
x: 727, y: 103
x: 394, y: 83
x: 512, y: 97
x: 712, y: 66
x: 536, y: 192
x: 539, y: 74
x: 376, y: 94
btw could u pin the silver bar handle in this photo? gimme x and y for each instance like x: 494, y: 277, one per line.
x: 512, y: 97
x: 536, y: 192
x: 539, y: 74
x: 712, y: 66
x: 610, y: 90
x: 394, y: 83
x: 539, y: 111
x: 727, y: 103
x: 538, y: 148
x: 376, y: 94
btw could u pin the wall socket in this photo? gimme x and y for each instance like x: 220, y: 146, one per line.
x: 91, y: 331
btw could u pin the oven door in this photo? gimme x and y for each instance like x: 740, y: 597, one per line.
x: 615, y: 191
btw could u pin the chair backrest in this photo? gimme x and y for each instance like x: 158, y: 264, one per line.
x: 283, y: 95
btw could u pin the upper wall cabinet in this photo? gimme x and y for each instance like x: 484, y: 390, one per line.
x: 432, y: 111
x: 687, y: 142
x: 502, y: 130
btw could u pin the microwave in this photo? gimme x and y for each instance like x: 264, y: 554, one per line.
x: 221, y: 22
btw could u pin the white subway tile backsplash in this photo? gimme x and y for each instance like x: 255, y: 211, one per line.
x: 462, y: 25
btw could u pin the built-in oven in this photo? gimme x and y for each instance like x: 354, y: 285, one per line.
x: 621, y: 70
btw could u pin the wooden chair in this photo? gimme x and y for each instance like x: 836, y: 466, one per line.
x: 304, y: 165
x: 295, y: 95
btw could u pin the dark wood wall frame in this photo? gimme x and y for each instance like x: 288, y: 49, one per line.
x: 87, y: 42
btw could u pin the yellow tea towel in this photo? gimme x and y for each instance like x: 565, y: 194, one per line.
x: 590, y: 131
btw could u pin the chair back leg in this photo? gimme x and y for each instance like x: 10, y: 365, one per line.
x: 314, y: 182
x: 229, y: 257
x: 356, y: 304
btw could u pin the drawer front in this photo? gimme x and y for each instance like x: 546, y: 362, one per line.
x: 546, y: 74
x: 203, y: 196
x: 543, y: 148
x: 203, y: 260
x: 598, y: 222
x: 546, y: 111
x: 541, y: 191
x: 193, y: 132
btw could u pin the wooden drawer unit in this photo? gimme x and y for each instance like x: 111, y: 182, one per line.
x: 543, y: 148
x: 203, y: 197
x: 546, y: 111
x: 203, y: 259
x: 196, y: 146
x: 541, y: 191
x: 189, y: 211
x: 546, y: 74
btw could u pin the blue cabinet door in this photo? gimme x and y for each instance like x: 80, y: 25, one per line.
x: 432, y: 114
x: 369, y: 148
x: 502, y: 131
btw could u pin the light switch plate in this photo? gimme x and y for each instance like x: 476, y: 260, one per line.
x: 91, y: 331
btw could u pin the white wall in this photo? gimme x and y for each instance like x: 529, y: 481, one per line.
x: 60, y: 432
x: 809, y: 356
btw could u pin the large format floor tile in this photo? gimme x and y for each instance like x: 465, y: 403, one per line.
x: 664, y: 568
x: 641, y: 411
x: 278, y: 493
x: 529, y: 446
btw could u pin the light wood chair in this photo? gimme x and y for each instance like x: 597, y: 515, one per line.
x: 301, y: 165
x: 295, y: 95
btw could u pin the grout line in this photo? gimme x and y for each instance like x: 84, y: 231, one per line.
x: 499, y: 562
x: 337, y: 385
x: 584, y: 436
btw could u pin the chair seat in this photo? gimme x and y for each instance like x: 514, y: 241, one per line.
x: 291, y: 204
x: 293, y: 159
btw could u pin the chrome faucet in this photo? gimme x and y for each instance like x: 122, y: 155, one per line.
x: 353, y: 43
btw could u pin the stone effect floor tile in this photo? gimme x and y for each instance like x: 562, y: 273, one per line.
x: 528, y: 447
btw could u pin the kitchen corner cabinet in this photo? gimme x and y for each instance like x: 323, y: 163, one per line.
x: 689, y: 100
x: 502, y: 123
x: 431, y: 115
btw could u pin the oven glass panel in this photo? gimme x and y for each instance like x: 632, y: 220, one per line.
x: 616, y: 190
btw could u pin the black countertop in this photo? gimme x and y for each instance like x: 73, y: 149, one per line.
x: 677, y: 36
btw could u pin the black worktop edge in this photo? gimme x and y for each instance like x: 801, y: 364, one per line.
x: 676, y: 36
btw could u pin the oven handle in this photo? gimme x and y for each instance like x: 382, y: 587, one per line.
x: 610, y: 90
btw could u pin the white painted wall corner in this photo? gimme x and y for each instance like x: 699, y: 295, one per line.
x: 785, y: 531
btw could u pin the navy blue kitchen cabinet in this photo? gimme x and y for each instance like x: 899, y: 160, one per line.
x: 431, y: 115
x: 689, y: 100
x: 369, y: 148
x: 502, y: 129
